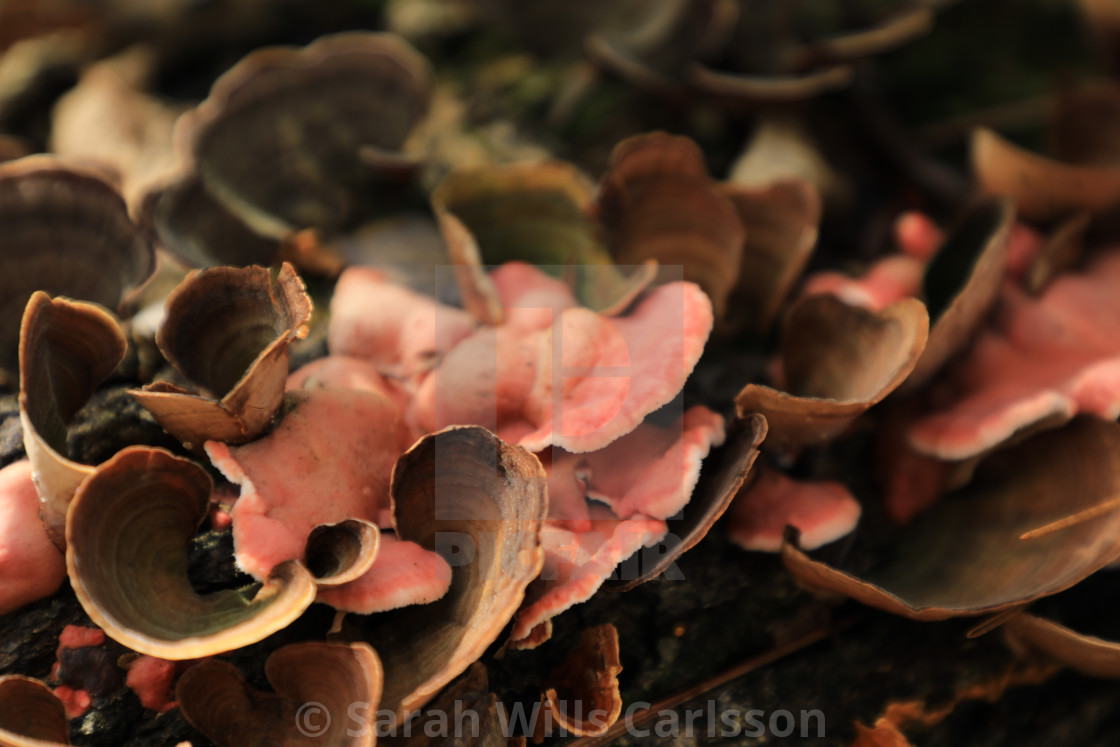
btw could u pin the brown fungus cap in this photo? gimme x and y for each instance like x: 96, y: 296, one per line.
x: 967, y: 556
x: 66, y: 350
x: 837, y: 362
x: 480, y: 502
x: 200, y: 230
x: 128, y: 533
x: 470, y: 700
x: 324, y: 694
x: 583, y: 692
x: 1043, y: 189
x: 658, y: 202
x: 228, y: 331
x: 723, y: 474
x: 771, y: 89
x: 66, y: 232
x: 108, y: 119
x: 962, y: 282
x: 308, y: 114
x: 781, y: 221
x: 536, y: 213
x: 1087, y: 654
x: 339, y: 553
x: 30, y: 714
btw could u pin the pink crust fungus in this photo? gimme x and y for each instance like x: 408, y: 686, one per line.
x: 76, y: 702
x: 398, y: 330
x: 607, y: 505
x: 900, y: 275
x: 567, y: 377
x: 73, y: 693
x: 328, y: 460
x: 822, y: 511
x: 552, y: 373
x: 1044, y: 360
x: 31, y: 567
x: 153, y: 681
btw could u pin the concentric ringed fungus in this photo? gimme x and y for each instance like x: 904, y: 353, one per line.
x: 328, y: 119
x: 480, y: 502
x: 66, y: 350
x: 588, y: 680
x: 1043, y: 189
x: 318, y: 688
x: 837, y: 362
x: 968, y: 554
x: 1041, y: 362
x: 724, y: 472
x: 536, y: 213
x: 30, y: 714
x: 316, y: 488
x: 66, y: 232
x: 128, y: 532
x: 781, y: 221
x: 227, y: 330
x: 962, y: 282
x: 1087, y: 654
x: 339, y: 553
x: 657, y: 202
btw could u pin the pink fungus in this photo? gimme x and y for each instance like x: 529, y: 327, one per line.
x: 822, y: 511
x: 31, y: 567
x: 1044, y: 360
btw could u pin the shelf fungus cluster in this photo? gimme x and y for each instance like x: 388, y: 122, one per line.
x: 452, y: 466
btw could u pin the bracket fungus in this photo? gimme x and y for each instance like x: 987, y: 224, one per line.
x: 781, y: 221
x: 228, y: 331
x: 199, y: 230
x: 657, y: 202
x: 587, y: 682
x: 962, y: 282
x: 968, y: 554
x: 569, y: 378
x: 128, y: 531
x: 401, y: 332
x: 821, y: 511
x: 316, y: 687
x: 107, y: 119
x: 606, y: 506
x: 30, y: 714
x: 1044, y: 360
x: 723, y: 474
x: 325, y: 467
x: 329, y: 119
x: 480, y: 502
x: 1087, y: 654
x: 959, y: 281
x: 468, y: 698
x: 536, y: 213
x: 1043, y: 189
x: 67, y: 233
x: 837, y: 362
x: 66, y: 350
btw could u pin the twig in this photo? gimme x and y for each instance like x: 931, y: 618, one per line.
x: 1073, y: 519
